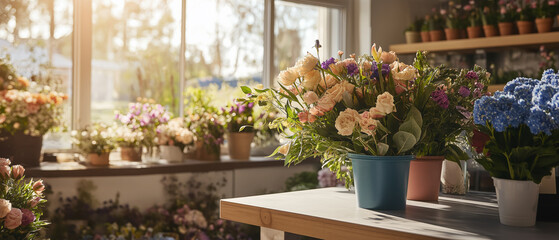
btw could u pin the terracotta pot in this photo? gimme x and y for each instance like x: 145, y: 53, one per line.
x: 133, y: 154
x: 525, y: 27
x: 452, y: 34
x: 21, y: 149
x: 490, y: 31
x: 424, y: 178
x: 412, y: 37
x: 436, y: 35
x: 98, y: 159
x: 474, y: 32
x: 239, y: 144
x: 201, y: 152
x: 544, y: 24
x: 505, y: 28
x: 425, y: 37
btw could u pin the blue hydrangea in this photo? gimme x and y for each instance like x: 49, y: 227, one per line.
x: 542, y: 94
x: 511, y: 85
x: 550, y: 77
x: 523, y: 92
x: 540, y: 121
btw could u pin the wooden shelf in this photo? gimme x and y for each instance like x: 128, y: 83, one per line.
x: 533, y: 39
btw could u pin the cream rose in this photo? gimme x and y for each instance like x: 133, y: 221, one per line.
x: 368, y: 124
x: 288, y: 76
x: 403, y: 72
x: 17, y: 171
x: 337, y: 68
x: 5, y: 171
x: 385, y: 103
x: 388, y: 57
x: 375, y: 113
x: 5, y: 207
x: 338, y: 90
x: 324, y: 104
x: 366, y: 68
x: 13, y: 219
x: 329, y: 82
x: 311, y: 79
x: 310, y: 97
x: 306, y: 64
x: 346, y: 121
x: 5, y: 162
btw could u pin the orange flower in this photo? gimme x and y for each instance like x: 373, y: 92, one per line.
x: 23, y: 81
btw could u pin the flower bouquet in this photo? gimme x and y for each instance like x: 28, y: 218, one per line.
x: 239, y: 121
x: 96, y: 141
x: 360, y: 107
x: 522, y: 123
x: 174, y: 136
x: 27, y: 112
x: 130, y: 142
x: 21, y: 203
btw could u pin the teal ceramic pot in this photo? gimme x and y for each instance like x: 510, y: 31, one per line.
x: 381, y: 182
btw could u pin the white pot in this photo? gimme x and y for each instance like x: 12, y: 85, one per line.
x: 518, y: 201
x: 171, y: 153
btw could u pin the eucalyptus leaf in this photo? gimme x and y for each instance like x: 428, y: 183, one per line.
x: 411, y: 127
x: 404, y: 141
x: 382, y: 148
x: 415, y: 114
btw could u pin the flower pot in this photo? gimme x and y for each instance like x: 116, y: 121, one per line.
x: 201, y: 152
x: 544, y: 24
x: 490, y: 31
x: 98, y: 159
x: 518, y: 202
x: 239, y: 144
x: 171, y: 153
x: 425, y: 37
x: 424, y: 178
x: 452, y: 34
x: 436, y: 35
x: 412, y: 37
x: 133, y: 154
x: 506, y: 28
x: 150, y: 154
x: 525, y: 27
x: 474, y: 32
x: 454, y: 177
x: 21, y: 149
x: 381, y: 182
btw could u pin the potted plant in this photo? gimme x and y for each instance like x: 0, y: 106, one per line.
x: 412, y: 31
x: 445, y: 96
x: 525, y: 17
x: 506, y: 18
x: 174, y: 137
x: 21, y: 203
x: 356, y: 114
x: 425, y: 30
x: 474, y: 21
x: 203, y: 119
x: 544, y: 16
x: 239, y: 121
x: 452, y: 20
x: 27, y: 112
x: 266, y: 139
x: 522, y: 125
x: 436, y: 27
x: 489, y: 20
x: 145, y: 116
x: 95, y: 141
x: 130, y: 143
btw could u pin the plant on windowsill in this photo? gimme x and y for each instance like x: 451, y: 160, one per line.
x: 239, y: 121
x: 95, y: 141
x: 522, y: 123
x: 130, y: 143
x: 173, y: 138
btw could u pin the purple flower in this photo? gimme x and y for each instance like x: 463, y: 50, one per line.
x: 326, y: 64
x: 352, y: 69
x: 385, y: 70
x: 440, y: 97
x: 242, y: 108
x: 27, y: 217
x: 479, y: 85
x: 472, y: 75
x: 464, y: 91
x: 250, y: 104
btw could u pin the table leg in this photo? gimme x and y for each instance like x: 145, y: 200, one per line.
x: 271, y: 234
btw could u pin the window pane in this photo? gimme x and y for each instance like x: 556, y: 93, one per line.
x: 224, y: 42
x: 135, y: 54
x: 37, y: 37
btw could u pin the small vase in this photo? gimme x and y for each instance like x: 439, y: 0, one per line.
x: 412, y: 37
x: 239, y: 144
x: 454, y: 177
x: 150, y: 154
x: 171, y: 153
x: 424, y: 179
x: 544, y: 24
x: 525, y: 27
x: 425, y: 37
x: 490, y: 31
x: 505, y: 28
x: 133, y: 154
x: 381, y: 182
x: 451, y: 33
x: 474, y: 32
x: 98, y: 159
x: 518, y: 202
x: 436, y: 35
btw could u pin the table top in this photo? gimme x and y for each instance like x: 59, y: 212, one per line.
x: 332, y: 213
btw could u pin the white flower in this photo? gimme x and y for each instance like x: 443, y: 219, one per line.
x: 311, y: 79
x: 346, y: 121
x: 5, y: 207
x: 306, y: 64
x: 288, y: 76
x: 385, y: 103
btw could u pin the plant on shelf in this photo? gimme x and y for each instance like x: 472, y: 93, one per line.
x: 544, y: 16
x: 21, y: 203
x: 489, y: 18
x: 174, y: 137
x: 129, y: 141
x: 474, y: 20
x: 452, y: 19
x: 425, y: 37
x: 507, y: 16
x: 436, y: 26
x: 522, y: 123
x: 95, y: 141
x: 525, y: 16
x: 412, y: 31
x: 548, y: 60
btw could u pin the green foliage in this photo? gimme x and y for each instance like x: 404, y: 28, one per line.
x: 96, y: 138
x: 302, y: 181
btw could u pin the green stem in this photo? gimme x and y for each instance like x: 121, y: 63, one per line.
x: 511, y: 171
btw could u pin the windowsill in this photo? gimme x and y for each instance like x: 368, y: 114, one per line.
x: 127, y: 168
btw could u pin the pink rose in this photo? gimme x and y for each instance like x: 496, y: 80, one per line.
x: 375, y: 113
x: 368, y: 124
x: 388, y: 57
x: 38, y: 187
x: 329, y: 82
x: 17, y: 171
x: 13, y: 219
x: 5, y: 207
x: 5, y: 171
x: 338, y: 90
x: 27, y: 217
x: 5, y: 162
x: 337, y: 68
x: 34, y: 202
x: 385, y: 103
x: 303, y: 117
x: 324, y: 104
x: 346, y: 121
x: 310, y: 97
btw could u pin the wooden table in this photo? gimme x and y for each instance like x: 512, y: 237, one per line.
x: 332, y: 213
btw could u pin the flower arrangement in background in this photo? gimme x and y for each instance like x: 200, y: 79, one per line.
x: 522, y: 123
x: 26, y: 106
x: 96, y: 138
x: 21, y: 203
x: 239, y: 116
x: 545, y: 9
x: 526, y: 11
x: 126, y: 137
x: 145, y: 116
x: 507, y: 11
x: 264, y: 133
x: 353, y: 105
x: 175, y: 133
x: 203, y: 119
